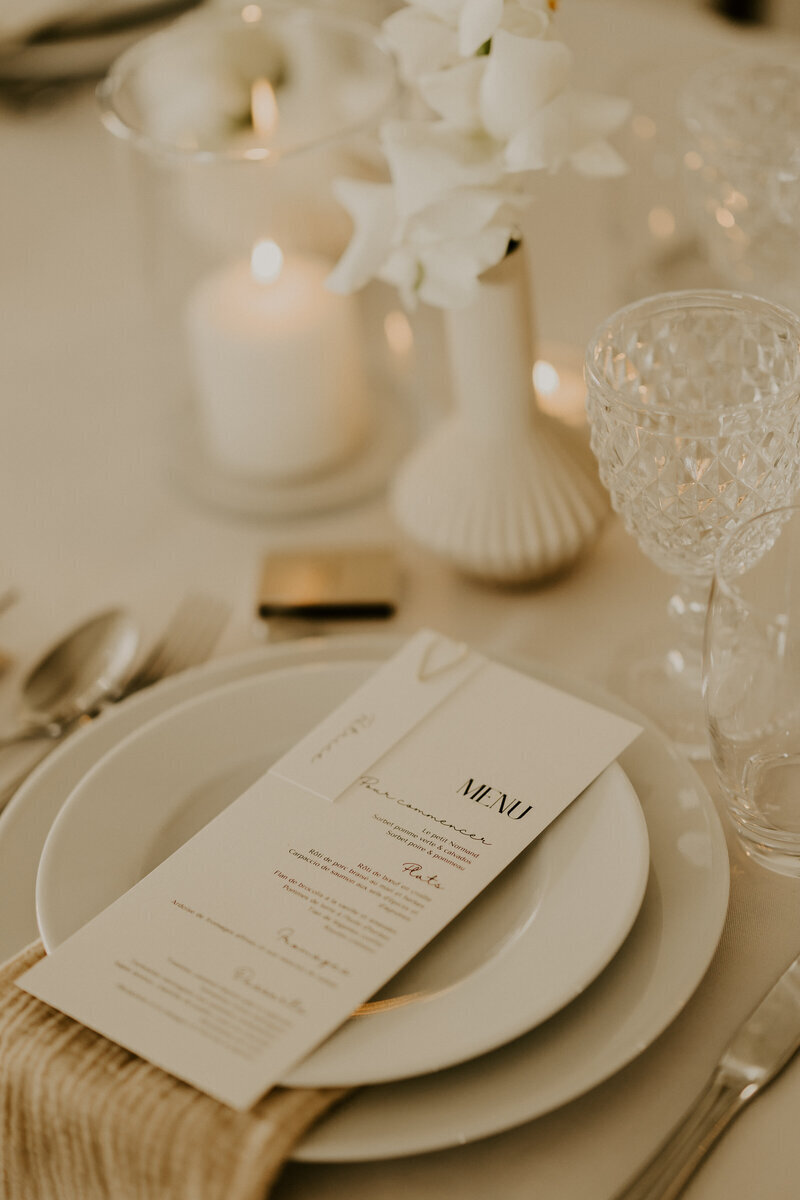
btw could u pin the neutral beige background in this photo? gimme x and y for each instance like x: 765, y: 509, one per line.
x: 89, y: 516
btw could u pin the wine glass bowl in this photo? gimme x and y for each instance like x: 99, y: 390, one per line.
x: 692, y: 399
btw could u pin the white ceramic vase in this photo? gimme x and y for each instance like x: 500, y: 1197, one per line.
x: 499, y: 490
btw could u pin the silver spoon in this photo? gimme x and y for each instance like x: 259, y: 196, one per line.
x: 74, y: 678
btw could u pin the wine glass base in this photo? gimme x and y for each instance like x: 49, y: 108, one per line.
x: 774, y: 858
x: 665, y: 687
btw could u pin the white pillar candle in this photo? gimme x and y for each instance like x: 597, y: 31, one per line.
x: 277, y: 366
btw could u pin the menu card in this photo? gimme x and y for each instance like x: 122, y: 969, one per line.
x: 246, y: 948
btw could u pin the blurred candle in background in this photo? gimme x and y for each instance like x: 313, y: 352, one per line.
x: 277, y: 365
x: 559, y: 385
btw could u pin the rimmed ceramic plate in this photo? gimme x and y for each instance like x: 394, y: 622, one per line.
x: 647, y: 984
x: 536, y: 937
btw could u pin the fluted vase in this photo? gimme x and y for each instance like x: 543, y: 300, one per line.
x: 498, y: 489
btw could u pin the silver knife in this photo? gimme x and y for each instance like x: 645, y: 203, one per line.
x: 759, y: 1049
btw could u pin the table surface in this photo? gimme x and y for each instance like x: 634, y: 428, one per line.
x: 90, y: 516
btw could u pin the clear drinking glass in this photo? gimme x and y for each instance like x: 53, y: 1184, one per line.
x: 693, y: 400
x: 741, y: 116
x: 752, y: 684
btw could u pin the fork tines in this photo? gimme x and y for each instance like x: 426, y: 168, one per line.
x: 188, y: 640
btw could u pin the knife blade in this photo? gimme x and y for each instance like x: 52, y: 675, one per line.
x: 757, y: 1052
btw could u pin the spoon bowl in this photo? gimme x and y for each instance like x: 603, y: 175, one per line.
x: 74, y: 677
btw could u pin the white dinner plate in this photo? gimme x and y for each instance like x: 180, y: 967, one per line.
x: 647, y: 984
x: 537, y: 936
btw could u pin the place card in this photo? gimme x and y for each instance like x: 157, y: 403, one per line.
x: 234, y: 959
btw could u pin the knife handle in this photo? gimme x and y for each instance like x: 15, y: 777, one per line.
x: 666, y: 1174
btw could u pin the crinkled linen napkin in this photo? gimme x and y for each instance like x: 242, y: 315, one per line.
x: 83, y: 1119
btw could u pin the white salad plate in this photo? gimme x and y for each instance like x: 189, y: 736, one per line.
x: 642, y: 990
x: 537, y: 936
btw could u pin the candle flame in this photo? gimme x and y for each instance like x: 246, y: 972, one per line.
x: 398, y: 332
x: 266, y: 261
x: 263, y: 108
x: 545, y: 378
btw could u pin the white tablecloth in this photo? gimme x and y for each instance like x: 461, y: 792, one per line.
x: 90, y: 517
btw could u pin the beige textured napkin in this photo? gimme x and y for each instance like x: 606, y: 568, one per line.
x: 83, y: 1119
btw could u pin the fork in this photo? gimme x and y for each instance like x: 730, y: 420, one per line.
x: 187, y: 641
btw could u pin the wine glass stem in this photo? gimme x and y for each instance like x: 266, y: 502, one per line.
x: 686, y: 609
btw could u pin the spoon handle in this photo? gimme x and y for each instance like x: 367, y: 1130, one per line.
x: 32, y: 733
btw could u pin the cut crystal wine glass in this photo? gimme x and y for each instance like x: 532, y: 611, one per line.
x: 694, y: 405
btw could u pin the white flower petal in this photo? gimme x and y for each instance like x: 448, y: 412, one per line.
x: 371, y: 206
x: 446, y: 10
x: 598, y: 158
x: 428, y: 159
x: 546, y: 140
x: 527, y: 18
x: 403, y: 270
x: 476, y: 24
x: 454, y: 93
x: 522, y: 75
x: 462, y: 214
x: 563, y: 129
x: 421, y: 42
x: 475, y: 254
x: 450, y: 270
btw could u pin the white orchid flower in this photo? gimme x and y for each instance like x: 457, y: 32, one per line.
x: 372, y: 210
x: 477, y: 22
x: 480, y: 20
x: 428, y: 160
x: 446, y: 10
x: 432, y: 35
x: 436, y: 254
x: 421, y: 41
x: 455, y: 94
x: 522, y: 75
x: 527, y: 18
x: 464, y: 214
x: 445, y: 273
x: 571, y: 128
x: 499, y: 86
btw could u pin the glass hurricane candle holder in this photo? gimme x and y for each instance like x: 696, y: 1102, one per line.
x: 741, y: 116
x: 694, y: 404
x: 233, y: 127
